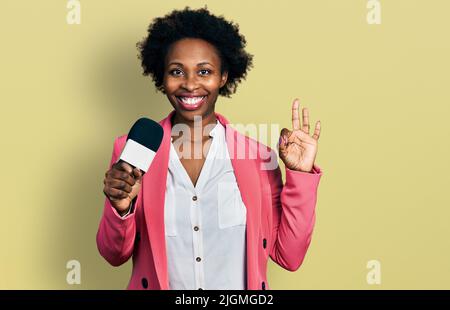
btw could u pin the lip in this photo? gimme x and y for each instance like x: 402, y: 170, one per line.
x: 190, y: 95
x: 191, y: 107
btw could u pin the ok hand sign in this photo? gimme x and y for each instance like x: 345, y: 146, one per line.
x: 297, y: 148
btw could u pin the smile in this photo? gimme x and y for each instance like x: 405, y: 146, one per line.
x: 191, y: 103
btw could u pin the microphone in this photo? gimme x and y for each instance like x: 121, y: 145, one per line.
x: 142, y: 143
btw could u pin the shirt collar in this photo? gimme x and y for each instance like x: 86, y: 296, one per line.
x: 213, y: 131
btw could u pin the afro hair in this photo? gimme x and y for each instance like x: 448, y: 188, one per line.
x: 200, y: 23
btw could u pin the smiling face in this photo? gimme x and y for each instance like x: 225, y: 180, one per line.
x: 192, y: 78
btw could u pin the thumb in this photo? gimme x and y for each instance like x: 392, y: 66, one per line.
x: 137, y: 173
x: 284, y: 135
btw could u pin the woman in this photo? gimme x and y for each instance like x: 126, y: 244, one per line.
x: 208, y: 219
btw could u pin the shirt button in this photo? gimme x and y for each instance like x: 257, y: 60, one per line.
x: 194, y: 198
x: 196, y: 228
x: 198, y: 259
x: 144, y: 283
x: 264, y: 243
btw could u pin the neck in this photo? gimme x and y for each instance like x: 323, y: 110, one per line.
x: 196, y: 126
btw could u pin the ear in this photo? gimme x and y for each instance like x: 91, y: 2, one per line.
x: 223, y: 79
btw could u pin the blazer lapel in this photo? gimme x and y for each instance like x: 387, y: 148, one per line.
x: 154, y: 186
x: 248, y: 180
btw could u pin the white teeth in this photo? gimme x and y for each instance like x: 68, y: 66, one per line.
x: 191, y: 100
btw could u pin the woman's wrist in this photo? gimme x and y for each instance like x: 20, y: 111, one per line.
x: 126, y: 211
x: 300, y: 170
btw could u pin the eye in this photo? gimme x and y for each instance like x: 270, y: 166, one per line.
x: 175, y: 72
x: 204, y: 72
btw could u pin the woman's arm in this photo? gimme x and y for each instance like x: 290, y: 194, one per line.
x: 115, y: 236
x: 293, y: 215
x: 294, y: 203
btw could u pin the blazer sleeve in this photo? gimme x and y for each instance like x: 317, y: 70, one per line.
x: 115, y: 236
x: 293, y: 215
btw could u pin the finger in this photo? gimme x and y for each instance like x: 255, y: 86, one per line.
x: 119, y: 184
x: 295, y: 119
x: 115, y: 193
x: 317, y: 131
x: 123, y: 166
x: 281, y: 141
x: 305, y: 118
x: 285, y: 134
x: 282, y: 145
x: 137, y: 173
x: 124, y: 176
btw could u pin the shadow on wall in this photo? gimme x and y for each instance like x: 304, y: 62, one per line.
x: 114, y: 78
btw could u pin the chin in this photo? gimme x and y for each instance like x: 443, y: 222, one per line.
x: 189, y: 115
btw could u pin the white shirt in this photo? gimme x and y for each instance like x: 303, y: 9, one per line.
x: 205, y: 225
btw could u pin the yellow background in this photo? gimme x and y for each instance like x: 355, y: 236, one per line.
x: 380, y: 91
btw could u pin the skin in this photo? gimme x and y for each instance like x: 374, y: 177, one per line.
x: 193, y: 66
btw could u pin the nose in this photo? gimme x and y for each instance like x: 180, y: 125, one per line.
x: 190, y: 83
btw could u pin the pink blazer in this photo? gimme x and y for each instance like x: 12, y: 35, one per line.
x: 280, y: 219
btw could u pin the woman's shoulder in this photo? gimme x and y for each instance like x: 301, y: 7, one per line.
x: 252, y: 142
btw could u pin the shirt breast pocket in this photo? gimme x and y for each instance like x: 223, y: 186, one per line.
x: 231, y: 208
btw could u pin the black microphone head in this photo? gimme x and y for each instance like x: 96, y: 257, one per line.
x: 147, y: 132
x: 142, y: 143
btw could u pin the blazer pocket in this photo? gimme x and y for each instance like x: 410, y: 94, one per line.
x: 231, y: 208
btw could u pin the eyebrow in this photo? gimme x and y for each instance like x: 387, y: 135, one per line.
x: 199, y: 64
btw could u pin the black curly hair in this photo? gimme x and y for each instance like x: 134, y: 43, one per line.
x: 199, y: 23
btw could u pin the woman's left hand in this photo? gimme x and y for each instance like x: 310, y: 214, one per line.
x: 297, y: 149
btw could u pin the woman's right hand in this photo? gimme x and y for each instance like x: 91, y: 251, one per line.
x: 122, y: 185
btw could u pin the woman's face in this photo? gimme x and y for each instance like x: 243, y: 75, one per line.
x: 192, y: 78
